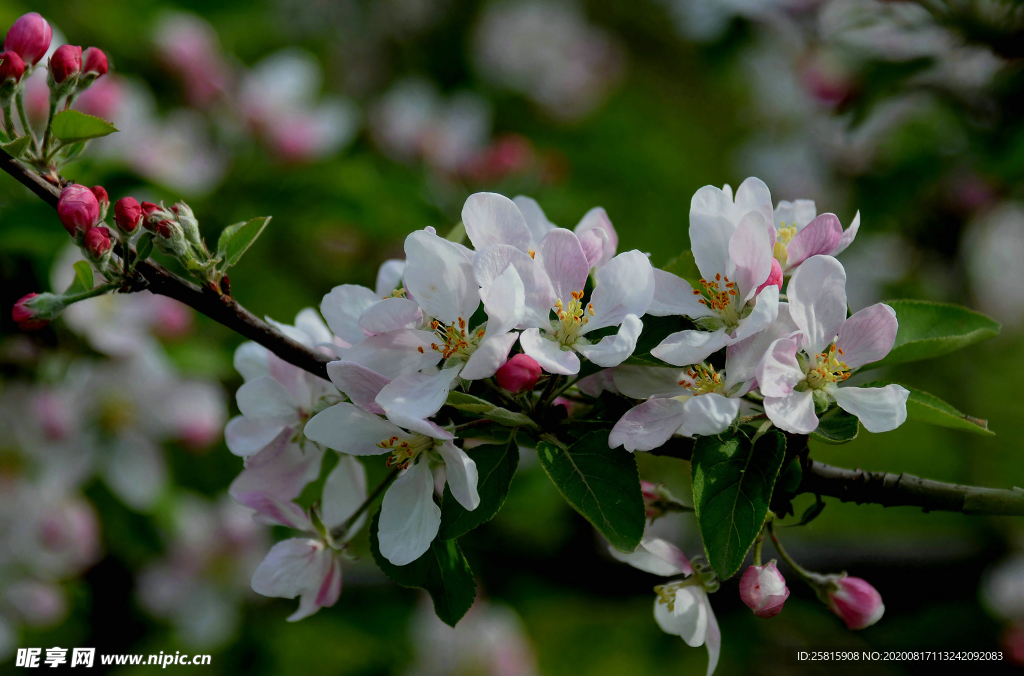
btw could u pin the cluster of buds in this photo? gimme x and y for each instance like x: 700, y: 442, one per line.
x: 26, y: 43
x: 73, y: 70
x: 176, y: 233
x: 81, y: 210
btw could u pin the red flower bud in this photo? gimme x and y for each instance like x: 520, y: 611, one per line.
x: 11, y: 67
x: 519, y: 374
x: 148, y: 208
x: 163, y: 228
x: 127, y: 214
x: 101, y: 196
x: 97, y: 241
x: 30, y: 37
x: 78, y: 208
x: 25, y: 315
x: 94, y: 62
x: 855, y: 601
x: 66, y: 62
x: 764, y: 590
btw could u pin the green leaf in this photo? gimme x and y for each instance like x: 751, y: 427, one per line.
x: 72, y: 151
x: 457, y: 234
x: 600, y: 483
x: 83, y: 279
x: 930, y: 409
x: 495, y: 465
x: 811, y: 513
x: 442, y: 571
x: 236, y: 239
x: 732, y: 487
x: 836, y: 426
x: 684, y: 265
x: 485, y: 409
x: 72, y: 126
x: 17, y: 147
x: 143, y: 247
x: 932, y: 329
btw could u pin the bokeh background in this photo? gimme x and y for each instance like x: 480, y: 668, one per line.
x: 355, y: 122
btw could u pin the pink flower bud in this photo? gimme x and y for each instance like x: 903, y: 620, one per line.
x: 148, y: 208
x: 855, y: 601
x: 26, y: 316
x: 94, y: 62
x: 65, y: 63
x: 11, y: 67
x: 101, y: 196
x: 127, y: 214
x: 97, y: 241
x: 774, y: 277
x: 78, y: 208
x: 764, y: 590
x: 30, y: 37
x: 519, y: 374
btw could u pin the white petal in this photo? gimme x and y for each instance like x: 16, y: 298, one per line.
x: 300, y: 567
x: 390, y: 314
x: 597, y: 219
x: 655, y: 556
x: 753, y: 195
x: 766, y: 309
x: 440, y: 277
x: 779, y: 371
x: 625, y: 286
x: 462, y: 475
x: 549, y: 353
x: 640, y: 382
x: 268, y: 401
x: 245, y: 437
x: 360, y: 384
x: 709, y: 414
x: 309, y: 322
x: 648, y: 425
x: 409, y: 519
x: 674, y: 296
x: 689, y: 617
x: 274, y: 477
x: 344, y: 492
x: 796, y: 213
x: 744, y: 356
x: 536, y: 221
x: 389, y: 276
x: 690, y: 347
x: 563, y: 260
x: 817, y: 300
x: 848, y: 235
x: 880, y: 409
x: 750, y: 254
x: 251, y: 361
x: 540, y: 295
x: 348, y: 429
x: 504, y: 301
x: 613, y: 350
x: 417, y: 395
x: 793, y: 413
x: 395, y: 352
x: 490, y: 356
x: 868, y: 335
x: 712, y: 640
x: 711, y: 227
x: 492, y: 219
x: 342, y: 308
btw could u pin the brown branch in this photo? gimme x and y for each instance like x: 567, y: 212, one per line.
x: 223, y: 309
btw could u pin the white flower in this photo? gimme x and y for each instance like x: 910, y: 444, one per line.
x: 798, y: 369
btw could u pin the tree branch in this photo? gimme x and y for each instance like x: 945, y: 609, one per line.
x: 223, y: 309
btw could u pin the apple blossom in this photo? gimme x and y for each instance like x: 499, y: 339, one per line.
x: 127, y: 214
x: 11, y: 67
x: 66, y: 63
x: 29, y: 37
x: 764, y: 590
x: 855, y: 601
x: 807, y: 234
x: 78, y: 208
x: 94, y: 62
x: 97, y: 242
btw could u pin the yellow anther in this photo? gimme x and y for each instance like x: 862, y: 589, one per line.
x: 704, y: 379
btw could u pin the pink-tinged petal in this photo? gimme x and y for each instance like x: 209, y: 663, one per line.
x: 594, y: 385
x: 796, y: 213
x: 711, y: 227
x: 867, y: 336
x: 820, y: 237
x: 641, y: 382
x: 750, y: 253
x: 343, y: 307
x: 360, y: 384
x: 613, y: 350
x: 348, y: 429
x: 417, y: 395
x: 344, y: 491
x: 774, y: 278
x: 461, y: 474
x: 309, y: 322
x: 744, y: 356
x: 504, y: 301
x: 793, y: 413
x: 817, y: 301
x: 764, y: 590
x: 597, y: 230
x: 409, y: 518
x: 492, y: 219
x: 709, y: 414
x: 880, y: 409
x: 250, y: 361
x: 245, y: 437
x: 674, y: 296
x: 625, y: 286
x: 281, y: 469
x: 389, y: 276
x: 395, y: 352
x: 536, y: 221
x: 490, y: 356
x: 490, y: 263
x: 766, y: 309
x: 390, y: 314
x: 753, y: 195
x: 712, y: 641
x: 439, y: 276
x: 300, y: 567
x: 595, y: 246
x: 655, y: 556
x: 648, y: 425
x: 690, y: 347
x: 688, y: 618
x: 848, y: 236
x: 564, y: 262
x: 549, y: 353
x: 268, y: 401
x: 779, y: 371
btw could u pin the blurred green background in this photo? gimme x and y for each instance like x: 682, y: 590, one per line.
x: 911, y: 125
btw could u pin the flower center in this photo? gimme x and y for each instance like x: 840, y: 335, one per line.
x: 404, y: 452
x: 397, y: 293
x: 572, y: 318
x: 826, y: 368
x: 721, y: 295
x: 705, y: 380
x: 783, y: 237
x: 457, y: 342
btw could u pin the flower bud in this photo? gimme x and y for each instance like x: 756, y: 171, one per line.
x: 855, y: 601
x: 66, y: 63
x: 94, y: 62
x: 519, y: 374
x: 11, y: 67
x: 774, y: 277
x: 103, y: 198
x: 30, y: 37
x: 97, y: 242
x: 36, y: 310
x: 78, y: 208
x: 764, y: 590
x: 148, y: 208
x: 127, y: 214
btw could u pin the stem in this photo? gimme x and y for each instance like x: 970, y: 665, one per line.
x: 548, y: 393
x: 757, y: 548
x: 91, y: 293
x: 19, y: 100
x: 47, y: 136
x: 9, y: 121
x: 805, y: 574
x: 338, y: 532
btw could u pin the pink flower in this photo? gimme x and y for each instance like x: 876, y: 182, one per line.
x: 66, y: 62
x: 519, y: 374
x: 97, y: 241
x: 127, y: 214
x: 25, y: 316
x: 856, y: 602
x: 94, y: 62
x: 30, y: 37
x: 764, y: 590
x: 11, y: 67
x: 78, y: 208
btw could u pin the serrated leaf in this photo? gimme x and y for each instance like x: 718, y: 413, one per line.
x: 836, y: 426
x: 72, y: 126
x: 495, y: 466
x: 684, y: 265
x: 732, y: 488
x: 929, y: 330
x: 236, y: 240
x: 17, y: 147
x: 144, y: 247
x: 485, y: 409
x: 83, y: 281
x: 600, y: 483
x: 442, y: 571
x: 930, y: 409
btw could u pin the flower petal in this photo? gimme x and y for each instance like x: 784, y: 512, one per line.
x: 504, y: 301
x: 868, y: 335
x: 597, y: 219
x: 689, y: 617
x: 344, y: 491
x: 709, y: 414
x: 743, y: 357
x: 817, y: 301
x: 880, y: 409
x: 684, y: 348
x: 462, y: 475
x: 648, y: 425
x: 417, y: 395
x: 779, y: 370
x: 268, y: 401
x: 754, y: 195
x: 641, y: 382
x: 766, y: 309
x: 820, y: 237
x: 793, y: 413
x: 360, y: 384
x: 848, y: 236
x: 390, y: 314
x: 536, y: 221
x: 655, y: 556
x: 562, y: 258
x: 613, y: 350
x: 409, y: 518
x: 711, y: 227
x: 439, y: 276
x: 395, y: 352
x: 492, y: 219
x: 343, y: 307
x: 549, y: 353
x: 674, y: 296
x: 625, y: 286
x: 750, y: 254
x: 348, y: 429
x: 712, y: 640
x: 389, y: 276
x: 796, y: 213
x: 297, y: 567
x: 540, y: 295
x: 251, y: 361
x: 490, y: 356
x: 245, y: 437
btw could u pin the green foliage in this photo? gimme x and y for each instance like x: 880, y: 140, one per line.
x: 495, y: 466
x: 17, y: 147
x: 732, y: 487
x: 836, y: 426
x: 933, y: 329
x: 930, y: 409
x: 485, y: 409
x: 143, y: 247
x: 684, y: 265
x: 600, y: 483
x: 236, y: 239
x: 72, y: 126
x: 442, y: 571
x: 83, y: 279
